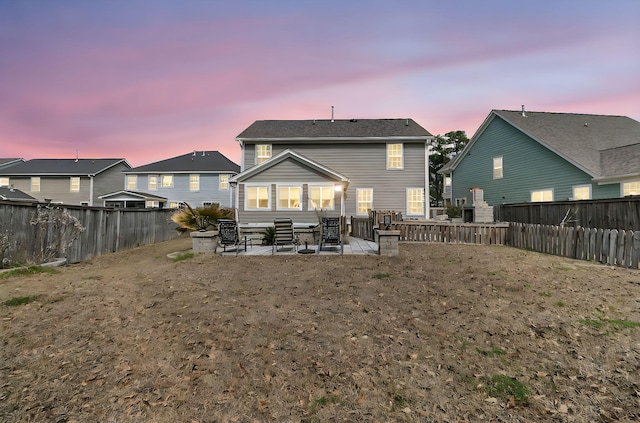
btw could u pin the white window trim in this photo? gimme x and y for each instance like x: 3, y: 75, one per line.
x: 553, y: 195
x: 333, y: 198
x: 162, y: 181
x: 407, y: 199
x: 292, y: 185
x: 135, y: 183
x: 501, y: 158
x: 401, y: 156
x: 358, y: 213
x: 265, y: 158
x: 221, y: 182
x: 627, y: 182
x: 573, y: 188
x: 71, y: 184
x: 246, y: 197
x: 31, y: 186
x: 197, y: 189
x: 4, y: 179
x: 149, y: 182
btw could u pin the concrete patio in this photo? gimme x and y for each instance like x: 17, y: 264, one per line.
x: 352, y: 246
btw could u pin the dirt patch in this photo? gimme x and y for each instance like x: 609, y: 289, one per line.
x: 439, y: 333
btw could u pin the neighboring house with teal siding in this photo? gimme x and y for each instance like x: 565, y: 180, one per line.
x: 338, y: 167
x: 522, y: 156
x: 199, y: 178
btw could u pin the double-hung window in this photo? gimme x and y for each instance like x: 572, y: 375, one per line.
x: 582, y: 192
x: 542, y: 195
x: 263, y: 153
x: 289, y: 198
x: 35, y: 184
x: 497, y: 168
x: 194, y: 183
x: 167, y: 181
x: 394, y: 156
x: 132, y: 182
x: 223, y: 182
x: 153, y: 182
x: 631, y: 188
x: 74, y: 184
x: 257, y: 197
x: 415, y: 201
x: 321, y: 197
x: 364, y: 200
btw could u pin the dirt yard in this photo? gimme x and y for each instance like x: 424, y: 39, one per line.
x: 441, y: 333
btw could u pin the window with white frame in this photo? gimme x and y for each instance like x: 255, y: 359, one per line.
x: 35, y: 184
x: 152, y: 204
x: 174, y: 205
x: 364, y: 200
x: 132, y: 182
x: 415, y: 201
x: 257, y: 198
x: 289, y: 198
x: 263, y: 153
x: 497, y: 168
x: 167, y: 181
x: 153, y: 182
x: 321, y: 197
x: 582, y: 192
x: 394, y: 156
x: 631, y: 188
x: 4, y: 181
x: 223, y: 182
x: 194, y: 182
x: 542, y: 195
x: 74, y: 184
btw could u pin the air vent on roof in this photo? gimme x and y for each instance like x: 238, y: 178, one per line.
x: 353, y: 120
x: 332, y: 114
x: 523, y: 115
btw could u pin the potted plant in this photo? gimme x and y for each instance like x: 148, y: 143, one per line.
x: 202, y: 222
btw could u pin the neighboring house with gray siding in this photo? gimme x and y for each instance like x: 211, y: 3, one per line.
x: 66, y: 181
x: 199, y: 178
x: 522, y: 156
x: 297, y: 168
x: 12, y: 194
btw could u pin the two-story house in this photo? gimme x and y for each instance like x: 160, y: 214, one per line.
x: 199, y: 178
x: 300, y: 168
x: 66, y: 181
x: 523, y: 156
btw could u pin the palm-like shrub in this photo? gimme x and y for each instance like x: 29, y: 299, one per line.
x: 200, y: 218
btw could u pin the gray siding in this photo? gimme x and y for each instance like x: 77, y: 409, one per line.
x: 527, y: 166
x: 209, y: 189
x: 365, y: 166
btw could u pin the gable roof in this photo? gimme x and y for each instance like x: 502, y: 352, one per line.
x: 132, y: 195
x: 7, y: 193
x: 62, y: 167
x: 578, y: 138
x: 285, y: 155
x: 196, y: 161
x: 337, y: 130
x: 6, y: 162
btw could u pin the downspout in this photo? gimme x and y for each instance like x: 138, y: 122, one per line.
x: 91, y: 190
x: 427, y: 154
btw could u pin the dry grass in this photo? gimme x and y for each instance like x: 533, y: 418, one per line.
x: 440, y: 333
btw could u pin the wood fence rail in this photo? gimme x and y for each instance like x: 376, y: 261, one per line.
x: 105, y: 231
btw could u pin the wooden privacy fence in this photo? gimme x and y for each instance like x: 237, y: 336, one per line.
x: 608, y: 246
x: 105, y: 230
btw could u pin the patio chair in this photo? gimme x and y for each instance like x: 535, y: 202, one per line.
x: 331, y: 233
x: 229, y: 234
x: 283, y: 234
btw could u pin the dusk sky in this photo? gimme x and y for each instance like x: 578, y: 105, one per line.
x: 147, y: 80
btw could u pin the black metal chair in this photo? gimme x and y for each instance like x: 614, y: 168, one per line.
x: 283, y: 234
x: 229, y: 234
x: 331, y: 233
